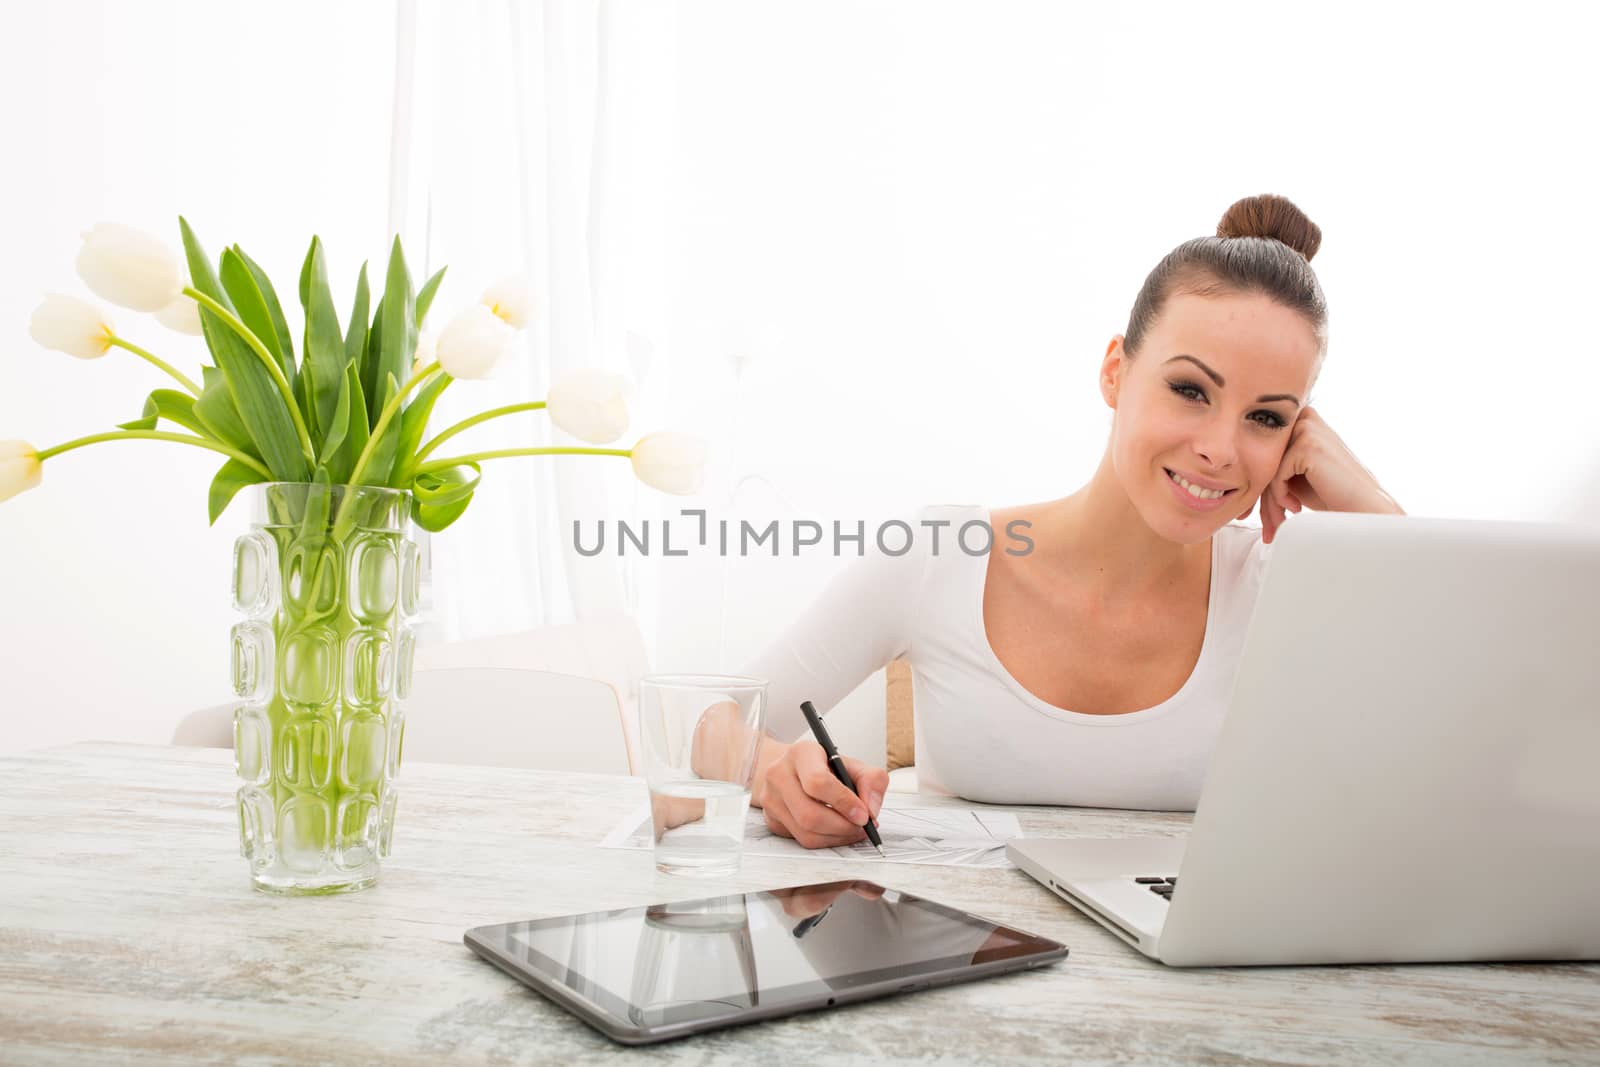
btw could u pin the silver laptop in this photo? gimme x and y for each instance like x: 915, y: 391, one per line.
x: 1409, y: 769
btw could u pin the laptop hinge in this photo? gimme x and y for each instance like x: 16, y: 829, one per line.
x: 1072, y: 898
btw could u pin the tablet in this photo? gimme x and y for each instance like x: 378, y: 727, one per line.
x: 668, y: 970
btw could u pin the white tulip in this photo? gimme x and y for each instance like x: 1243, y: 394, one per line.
x: 183, y: 315
x: 671, y: 462
x: 590, y: 404
x: 473, y: 343
x: 427, y: 352
x: 129, y: 267
x: 70, y: 325
x: 511, y: 299
x: 20, y: 468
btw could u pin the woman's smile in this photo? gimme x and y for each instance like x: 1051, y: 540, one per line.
x: 1197, y: 493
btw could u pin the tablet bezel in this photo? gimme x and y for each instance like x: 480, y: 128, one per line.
x: 608, y: 1012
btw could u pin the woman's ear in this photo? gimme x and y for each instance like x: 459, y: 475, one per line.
x: 1111, y: 368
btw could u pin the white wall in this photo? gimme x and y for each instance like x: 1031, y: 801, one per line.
x: 262, y: 130
x: 920, y: 222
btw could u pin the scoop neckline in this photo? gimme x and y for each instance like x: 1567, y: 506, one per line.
x: 1124, y: 718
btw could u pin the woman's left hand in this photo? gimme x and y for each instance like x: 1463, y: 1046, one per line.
x: 1319, y: 472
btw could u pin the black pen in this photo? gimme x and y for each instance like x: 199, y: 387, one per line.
x: 806, y: 925
x: 836, y: 764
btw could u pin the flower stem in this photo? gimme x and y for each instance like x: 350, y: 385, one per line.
x: 384, y: 419
x: 504, y: 453
x: 341, y: 521
x: 266, y: 357
x: 157, y: 435
x: 157, y: 360
x: 482, y: 416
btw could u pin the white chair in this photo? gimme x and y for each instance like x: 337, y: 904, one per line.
x: 609, y: 649
x: 207, y: 728
x: 508, y: 717
x: 489, y: 716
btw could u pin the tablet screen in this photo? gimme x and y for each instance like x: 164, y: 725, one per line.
x: 657, y: 965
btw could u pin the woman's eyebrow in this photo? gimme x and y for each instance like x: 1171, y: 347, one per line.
x: 1213, y: 375
x: 1221, y: 382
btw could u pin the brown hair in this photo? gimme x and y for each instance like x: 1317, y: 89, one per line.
x: 1264, y: 244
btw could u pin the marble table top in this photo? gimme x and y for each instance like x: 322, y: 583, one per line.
x: 129, y: 933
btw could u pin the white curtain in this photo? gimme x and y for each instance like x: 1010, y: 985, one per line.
x: 523, y: 135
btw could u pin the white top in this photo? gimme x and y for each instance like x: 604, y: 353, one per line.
x: 979, y: 733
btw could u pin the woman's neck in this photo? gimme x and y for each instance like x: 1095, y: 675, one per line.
x: 1097, y: 535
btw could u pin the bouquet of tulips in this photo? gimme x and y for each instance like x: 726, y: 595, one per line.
x: 352, y: 407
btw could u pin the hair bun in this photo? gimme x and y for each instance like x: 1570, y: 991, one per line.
x: 1275, y: 217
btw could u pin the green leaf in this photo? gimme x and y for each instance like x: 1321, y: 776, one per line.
x: 175, y: 407
x: 335, y: 453
x: 398, y: 345
x: 308, y: 409
x: 319, y: 507
x: 357, y: 427
x: 369, y: 355
x: 274, y: 308
x: 382, y: 460
x: 426, y: 293
x: 146, y: 423
x: 413, y: 423
x: 324, y: 343
x: 441, y: 487
x: 263, y: 410
x: 355, y: 340
x: 233, y: 477
x: 435, y: 517
x: 252, y: 308
x: 217, y: 413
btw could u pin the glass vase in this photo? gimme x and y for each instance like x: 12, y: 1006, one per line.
x: 327, y: 581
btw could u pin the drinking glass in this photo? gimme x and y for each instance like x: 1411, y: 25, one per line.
x: 693, y: 952
x: 699, y: 735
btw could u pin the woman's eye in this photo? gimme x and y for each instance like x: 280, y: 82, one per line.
x: 1270, y: 420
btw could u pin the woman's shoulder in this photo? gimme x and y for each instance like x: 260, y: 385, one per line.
x: 1240, y: 539
x: 962, y: 537
x: 1241, y: 553
x: 937, y: 531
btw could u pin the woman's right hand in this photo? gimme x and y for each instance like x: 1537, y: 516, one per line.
x: 803, y: 800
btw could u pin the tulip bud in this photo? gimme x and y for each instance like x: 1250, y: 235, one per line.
x: 427, y: 352
x: 129, y: 267
x: 70, y: 325
x: 671, y: 462
x: 20, y: 468
x: 473, y: 343
x: 590, y: 404
x: 183, y: 315
x: 511, y: 300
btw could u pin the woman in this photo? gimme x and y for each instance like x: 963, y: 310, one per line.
x: 1094, y: 669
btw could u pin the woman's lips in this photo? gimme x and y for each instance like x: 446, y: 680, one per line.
x: 1195, y: 503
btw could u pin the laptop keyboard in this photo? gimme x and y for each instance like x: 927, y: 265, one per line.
x: 1160, y: 885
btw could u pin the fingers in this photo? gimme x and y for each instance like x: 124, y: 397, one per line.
x: 781, y: 821
x: 871, y: 783
x: 793, y: 810
x: 1271, y: 515
x: 817, y: 779
x: 802, y: 903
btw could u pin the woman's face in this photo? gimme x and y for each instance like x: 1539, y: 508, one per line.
x: 1208, y: 401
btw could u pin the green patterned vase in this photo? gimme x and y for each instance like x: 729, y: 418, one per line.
x: 327, y: 582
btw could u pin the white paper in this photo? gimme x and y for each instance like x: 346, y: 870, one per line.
x: 951, y: 837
